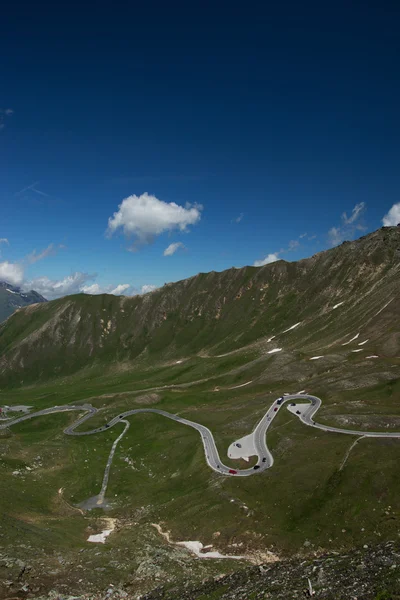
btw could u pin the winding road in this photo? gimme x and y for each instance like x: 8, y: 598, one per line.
x: 264, y: 457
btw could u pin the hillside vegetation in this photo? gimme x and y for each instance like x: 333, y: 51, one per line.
x: 218, y: 349
x: 216, y: 313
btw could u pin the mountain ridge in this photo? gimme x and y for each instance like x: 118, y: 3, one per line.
x: 12, y: 298
x: 215, y: 312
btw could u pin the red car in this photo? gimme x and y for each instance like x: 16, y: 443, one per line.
x: 232, y: 472
x: 276, y: 408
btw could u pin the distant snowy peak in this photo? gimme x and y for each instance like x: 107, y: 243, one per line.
x: 13, y: 298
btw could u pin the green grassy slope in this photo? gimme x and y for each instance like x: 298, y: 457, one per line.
x: 214, y: 313
x: 185, y: 348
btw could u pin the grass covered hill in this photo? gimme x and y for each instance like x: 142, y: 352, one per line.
x: 216, y: 313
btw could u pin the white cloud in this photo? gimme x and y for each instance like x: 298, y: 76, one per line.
x: 51, y: 249
x: 145, y: 289
x: 11, y: 272
x: 270, y: 258
x: 95, y: 289
x: 293, y: 244
x: 5, y: 112
x: 238, y: 219
x: 92, y: 289
x: 355, y: 213
x: 120, y: 289
x: 144, y: 217
x: 172, y: 248
x: 4, y: 241
x: 392, y: 218
x: 50, y: 289
x: 336, y: 236
x: 348, y: 227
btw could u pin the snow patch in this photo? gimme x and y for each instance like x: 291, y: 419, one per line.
x: 11, y: 292
x: 362, y: 343
x: 358, y: 350
x: 337, y: 305
x: 195, y: 547
x: 100, y: 538
x: 301, y: 392
x: 383, y: 307
x: 316, y: 357
x: 372, y: 356
x: 292, y: 327
x: 352, y: 340
x: 274, y: 350
x: 271, y: 338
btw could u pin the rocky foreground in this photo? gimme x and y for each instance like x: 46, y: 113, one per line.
x: 363, y: 574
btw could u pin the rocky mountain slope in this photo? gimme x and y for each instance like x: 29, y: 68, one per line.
x: 12, y: 298
x: 322, y: 300
x: 368, y: 573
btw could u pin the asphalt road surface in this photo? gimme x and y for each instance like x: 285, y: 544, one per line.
x: 264, y: 457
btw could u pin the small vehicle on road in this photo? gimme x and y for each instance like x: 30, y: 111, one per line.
x: 298, y: 412
x: 293, y: 404
x: 239, y: 445
x: 232, y: 472
x: 264, y: 459
x: 256, y: 467
x: 276, y: 408
x: 107, y: 425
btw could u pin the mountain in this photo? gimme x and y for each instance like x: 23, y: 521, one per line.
x: 12, y: 298
x: 218, y: 349
x: 307, y: 307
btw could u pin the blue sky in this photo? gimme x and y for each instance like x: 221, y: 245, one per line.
x: 262, y: 124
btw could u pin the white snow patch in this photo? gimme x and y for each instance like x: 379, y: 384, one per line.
x: 362, y: 343
x: 302, y: 392
x: 337, y: 305
x: 195, y: 547
x: 274, y: 350
x: 352, y: 340
x: 271, y: 338
x: 100, y: 538
x: 358, y: 350
x: 316, y: 357
x: 178, y: 362
x: 292, y: 327
x: 11, y: 292
x: 383, y: 307
x: 242, y: 448
x: 372, y: 356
